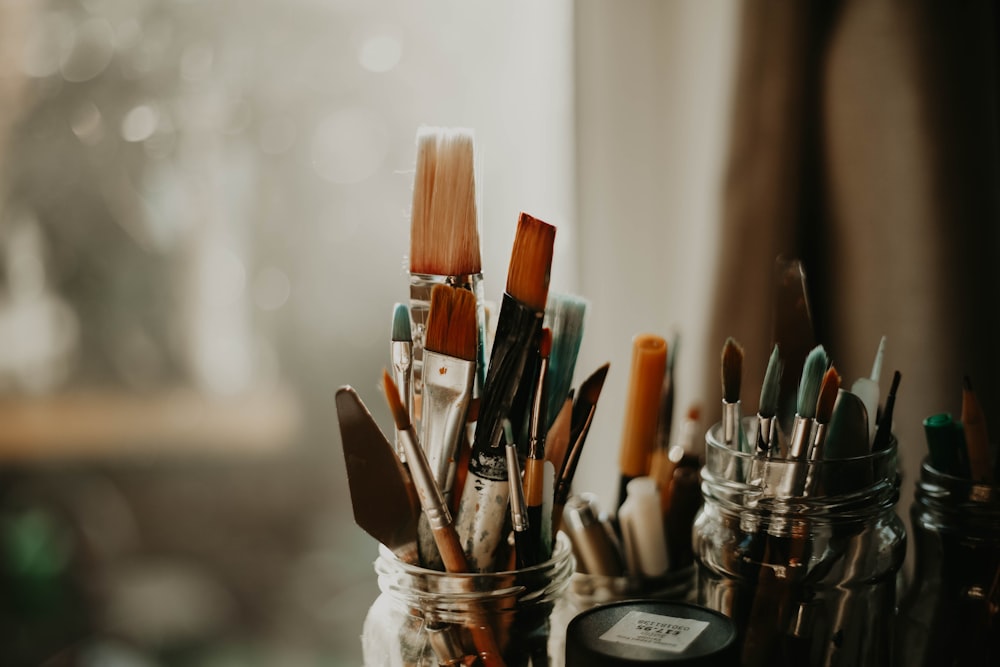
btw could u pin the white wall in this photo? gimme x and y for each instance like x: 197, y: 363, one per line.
x: 652, y: 116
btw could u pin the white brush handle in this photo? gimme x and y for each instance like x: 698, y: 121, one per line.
x: 642, y: 529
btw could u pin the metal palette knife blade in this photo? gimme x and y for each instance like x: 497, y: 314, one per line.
x: 385, y: 503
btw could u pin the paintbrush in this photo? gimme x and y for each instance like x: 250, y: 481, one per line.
x: 382, y: 495
x: 732, y: 375
x: 793, y: 331
x: 867, y: 389
x: 649, y: 364
x: 483, y: 508
x: 564, y: 315
x: 583, y: 417
x: 534, y: 464
x: 431, y: 498
x: 805, y: 411
x: 401, y: 357
x: 825, y: 403
x: 767, y: 409
x: 450, y: 367
x: 883, y: 434
x: 444, y: 235
x: 977, y: 439
x: 520, y: 521
x: 436, y: 510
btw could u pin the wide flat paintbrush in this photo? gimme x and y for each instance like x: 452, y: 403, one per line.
x: 564, y: 315
x: 583, y: 417
x: 450, y: 367
x: 401, y: 356
x: 642, y: 402
x: 436, y: 510
x: 383, y: 497
x: 444, y: 235
x: 483, y: 508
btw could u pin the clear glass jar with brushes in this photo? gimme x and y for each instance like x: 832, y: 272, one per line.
x: 808, y: 576
x: 950, y: 614
x: 423, y: 617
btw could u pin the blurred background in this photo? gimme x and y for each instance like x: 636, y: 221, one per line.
x: 204, y: 219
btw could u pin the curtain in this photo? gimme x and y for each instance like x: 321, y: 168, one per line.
x: 864, y: 142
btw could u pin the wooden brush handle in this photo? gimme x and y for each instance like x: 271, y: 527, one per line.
x: 451, y: 549
x: 533, y: 481
x: 455, y: 561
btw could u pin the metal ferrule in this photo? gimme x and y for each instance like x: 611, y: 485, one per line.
x: 799, y: 440
x: 819, y: 437
x: 765, y: 435
x: 518, y: 506
x: 447, y: 392
x: 731, y: 423
x: 421, y: 285
x: 792, y: 483
x: 431, y: 499
x: 815, y: 454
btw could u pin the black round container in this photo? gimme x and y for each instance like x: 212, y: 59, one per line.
x: 651, y: 632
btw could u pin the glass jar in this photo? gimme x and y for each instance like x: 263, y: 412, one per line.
x: 809, y: 578
x: 588, y: 590
x: 426, y: 617
x: 950, y: 615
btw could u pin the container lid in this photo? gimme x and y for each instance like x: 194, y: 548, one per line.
x: 651, y: 632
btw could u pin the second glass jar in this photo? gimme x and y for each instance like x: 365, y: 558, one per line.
x: 809, y: 578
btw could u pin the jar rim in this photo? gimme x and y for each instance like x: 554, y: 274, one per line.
x: 562, y: 551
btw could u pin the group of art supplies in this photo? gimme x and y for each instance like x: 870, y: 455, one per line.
x: 488, y: 430
x: 649, y: 532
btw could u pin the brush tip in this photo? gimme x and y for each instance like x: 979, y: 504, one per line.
x: 401, y: 323
x: 770, y: 391
x: 732, y: 370
x: 531, y: 262
x: 809, y: 384
x: 451, y: 323
x: 444, y: 232
x: 590, y: 390
x: 827, y: 395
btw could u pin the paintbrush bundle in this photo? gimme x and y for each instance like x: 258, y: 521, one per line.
x: 471, y: 413
x: 645, y: 548
x: 795, y: 507
x: 951, y: 612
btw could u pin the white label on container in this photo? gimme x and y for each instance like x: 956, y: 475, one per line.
x: 664, y: 633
